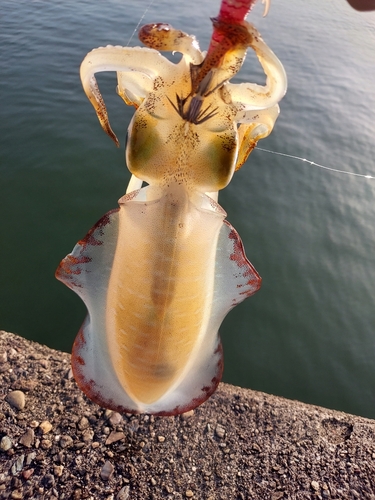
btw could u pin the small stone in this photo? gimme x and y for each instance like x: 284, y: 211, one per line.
x: 26, y: 474
x: 315, y: 485
x: 16, y: 399
x: 48, y: 481
x: 161, y: 439
x: 220, y: 431
x: 114, y: 437
x: 27, y: 439
x: 187, y: 415
x: 25, y: 384
x: 123, y: 494
x: 3, y: 357
x: 107, y: 471
x: 16, y: 495
x: 66, y: 441
x: 115, y: 419
x: 87, y: 435
x: 45, y: 426
x: 6, y: 443
x: 153, y: 481
x: 277, y: 495
x: 189, y: 493
x: 13, y: 354
x: 83, y: 424
x: 77, y: 495
x: 46, y: 444
x: 18, y: 464
x: 44, y: 363
x: 30, y: 457
x: 58, y: 470
x: 34, y: 424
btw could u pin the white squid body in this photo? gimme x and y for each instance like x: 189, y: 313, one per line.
x: 159, y: 274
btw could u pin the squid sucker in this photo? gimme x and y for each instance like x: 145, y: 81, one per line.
x: 159, y: 274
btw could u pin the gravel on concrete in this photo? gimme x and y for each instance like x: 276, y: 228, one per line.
x: 240, y: 444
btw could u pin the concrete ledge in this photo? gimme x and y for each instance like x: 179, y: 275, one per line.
x: 241, y: 444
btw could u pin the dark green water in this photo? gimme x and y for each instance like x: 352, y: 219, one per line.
x: 310, y: 332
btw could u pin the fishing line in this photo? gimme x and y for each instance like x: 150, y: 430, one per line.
x: 316, y: 164
x: 139, y: 22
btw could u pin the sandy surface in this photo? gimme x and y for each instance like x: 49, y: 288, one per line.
x: 241, y: 444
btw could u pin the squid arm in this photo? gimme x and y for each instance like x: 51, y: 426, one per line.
x: 159, y: 274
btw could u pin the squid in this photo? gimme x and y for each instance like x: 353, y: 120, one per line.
x: 159, y: 273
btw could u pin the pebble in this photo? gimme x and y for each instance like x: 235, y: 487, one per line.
x: 16, y: 399
x: 27, y: 439
x: 26, y: 474
x: 58, y: 470
x: 114, y: 437
x: 30, y: 457
x: 44, y: 363
x: 87, y: 435
x: 46, y: 444
x: 277, y: 495
x: 315, y: 485
x: 48, y: 481
x: 45, y: 426
x: 115, y: 419
x: 187, y: 414
x: 6, y: 443
x: 3, y: 357
x: 256, y: 447
x: 18, y: 465
x: 66, y: 441
x: 189, y: 493
x: 83, y: 424
x: 25, y: 385
x: 220, y: 431
x: 161, y: 439
x: 107, y: 471
x: 77, y: 495
x: 153, y: 481
x: 16, y: 495
x: 124, y: 493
